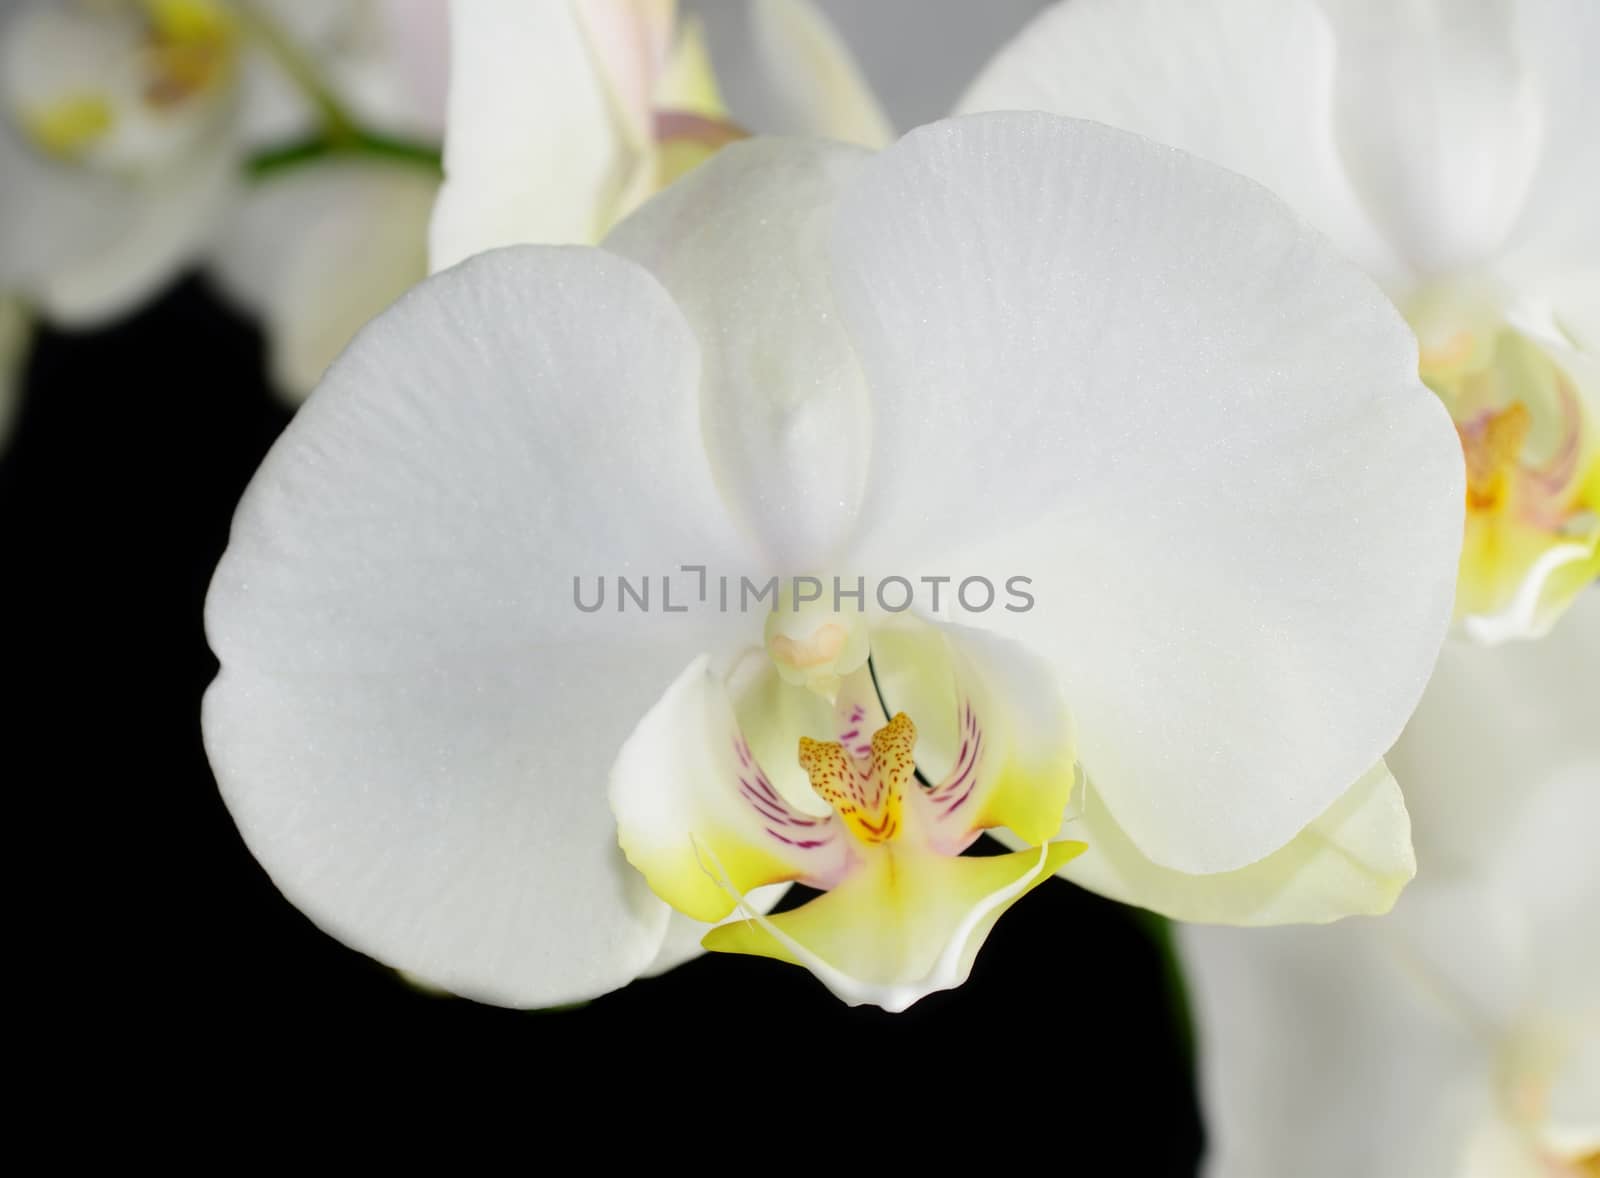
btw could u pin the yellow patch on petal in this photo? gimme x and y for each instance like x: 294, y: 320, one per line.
x: 905, y: 923
x: 699, y: 886
x: 1030, y: 800
x: 69, y: 125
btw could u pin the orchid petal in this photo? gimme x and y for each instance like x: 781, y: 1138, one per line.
x: 1175, y: 348
x: 683, y: 941
x: 1323, y: 1054
x: 87, y: 247
x: 1546, y: 868
x: 318, y: 252
x: 1248, y: 84
x: 1352, y: 859
x: 1557, y: 230
x: 514, y: 171
x: 741, y: 244
x: 1451, y: 1018
x: 165, y: 227
x: 1436, y: 123
x: 1573, y: 304
x: 1494, y: 724
x: 899, y: 927
x: 413, y: 724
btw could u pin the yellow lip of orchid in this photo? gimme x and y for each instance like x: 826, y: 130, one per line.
x: 1531, y: 444
x: 904, y: 913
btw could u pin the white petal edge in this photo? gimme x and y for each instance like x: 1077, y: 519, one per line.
x: 1248, y: 84
x: 1354, y: 859
x: 413, y: 724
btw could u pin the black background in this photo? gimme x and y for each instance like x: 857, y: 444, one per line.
x: 131, y: 448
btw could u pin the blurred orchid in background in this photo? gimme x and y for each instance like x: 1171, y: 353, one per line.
x: 1447, y: 147
x: 1004, y: 344
x: 136, y: 131
x: 638, y: 107
x: 1459, y: 1036
x: 330, y: 225
x: 117, y: 152
x: 291, y: 148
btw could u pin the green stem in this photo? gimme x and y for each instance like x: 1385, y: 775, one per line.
x: 278, y: 159
x: 340, y: 134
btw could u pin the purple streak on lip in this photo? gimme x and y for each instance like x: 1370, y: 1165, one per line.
x: 803, y: 844
x: 766, y: 811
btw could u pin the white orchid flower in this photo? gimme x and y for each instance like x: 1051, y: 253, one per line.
x: 1005, y: 346
x: 1447, y: 147
x: 127, y: 126
x: 638, y: 107
x: 114, y: 148
x: 1459, y: 1036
